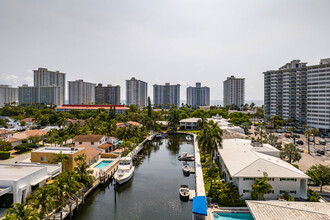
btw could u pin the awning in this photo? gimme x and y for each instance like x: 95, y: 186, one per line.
x: 199, y: 205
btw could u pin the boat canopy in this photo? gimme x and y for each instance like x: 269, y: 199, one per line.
x: 199, y: 205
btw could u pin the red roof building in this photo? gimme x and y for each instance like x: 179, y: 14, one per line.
x: 120, y: 109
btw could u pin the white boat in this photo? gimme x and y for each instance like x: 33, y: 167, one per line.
x: 186, y: 169
x: 184, y: 192
x: 125, y: 170
x: 188, y: 138
x: 192, y: 170
x: 186, y: 157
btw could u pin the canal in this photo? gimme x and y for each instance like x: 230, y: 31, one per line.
x: 152, y: 193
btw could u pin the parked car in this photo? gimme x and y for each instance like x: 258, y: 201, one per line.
x: 301, y: 149
x: 300, y: 142
x: 297, y: 135
x: 326, y: 148
x: 311, y: 139
x: 287, y: 136
x: 321, y: 141
x: 320, y: 152
x: 327, y: 140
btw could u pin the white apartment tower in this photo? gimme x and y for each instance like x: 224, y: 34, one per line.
x: 136, y: 92
x: 198, y: 96
x: 48, y: 95
x: 46, y: 78
x: 81, y: 92
x: 300, y: 93
x: 234, y: 91
x: 167, y: 95
x: 8, y: 95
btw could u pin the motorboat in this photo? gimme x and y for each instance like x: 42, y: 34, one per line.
x: 186, y: 169
x: 186, y: 157
x: 125, y: 170
x: 188, y: 138
x: 192, y: 170
x: 184, y: 192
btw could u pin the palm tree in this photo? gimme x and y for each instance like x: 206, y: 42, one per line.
x: 84, y: 174
x: 292, y: 129
x: 291, y: 153
x: 61, y: 158
x: 308, y: 133
x: 211, y: 139
x: 314, y: 132
x: 246, y: 126
x: 19, y: 211
x: 320, y: 174
x: 201, y: 122
x: 261, y: 131
x: 43, y: 199
x: 174, y: 118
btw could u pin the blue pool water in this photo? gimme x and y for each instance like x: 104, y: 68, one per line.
x: 232, y: 216
x: 103, y: 164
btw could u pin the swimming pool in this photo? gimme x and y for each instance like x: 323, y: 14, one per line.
x: 103, y: 164
x: 232, y: 216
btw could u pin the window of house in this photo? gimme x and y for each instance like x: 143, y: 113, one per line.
x: 92, y: 143
x: 270, y: 179
x: 248, y: 178
x: 246, y: 191
x: 80, y: 142
x: 43, y: 159
x: 288, y: 191
x: 288, y: 179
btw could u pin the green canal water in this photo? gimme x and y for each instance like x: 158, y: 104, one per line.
x: 152, y: 193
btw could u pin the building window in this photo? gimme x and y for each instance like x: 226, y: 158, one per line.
x: 43, y: 159
x: 288, y: 179
x: 80, y: 142
x: 288, y: 191
x: 248, y: 178
x: 270, y: 179
x: 92, y: 143
x: 246, y: 191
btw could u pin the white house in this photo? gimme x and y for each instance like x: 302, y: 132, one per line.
x: 242, y: 161
x: 101, y: 142
x: 189, y: 123
x: 18, y: 180
x: 12, y: 123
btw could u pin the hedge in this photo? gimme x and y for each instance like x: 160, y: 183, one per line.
x: 4, y: 154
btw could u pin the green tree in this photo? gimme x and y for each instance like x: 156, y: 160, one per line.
x: 260, y: 131
x: 133, y: 108
x: 5, y: 146
x: 149, y: 108
x: 34, y: 139
x: 246, y: 126
x: 84, y: 174
x: 273, y: 140
x: 314, y: 132
x: 262, y: 187
x: 276, y: 120
x: 201, y: 122
x: 210, y: 138
x: 174, y: 118
x: 292, y: 129
x: 61, y: 158
x: 290, y: 153
x: 320, y: 174
x: 18, y: 211
x: 212, y: 174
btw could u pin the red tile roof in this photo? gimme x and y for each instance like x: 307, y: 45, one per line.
x: 90, y: 152
x: 88, y: 138
x: 105, y: 146
x: 92, y: 107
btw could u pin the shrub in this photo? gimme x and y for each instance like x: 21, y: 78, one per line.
x: 5, y: 146
x: 287, y: 197
x: 4, y: 154
x: 295, y: 165
x: 313, y: 196
x: 23, y: 147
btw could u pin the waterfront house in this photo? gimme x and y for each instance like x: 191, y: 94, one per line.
x: 18, y: 180
x: 129, y: 123
x: 12, y: 123
x: 28, y: 133
x: 242, y: 161
x: 46, y: 155
x: 101, y: 142
x: 189, y: 123
x: 91, y: 154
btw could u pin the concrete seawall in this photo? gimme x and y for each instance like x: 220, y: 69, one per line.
x: 200, y: 189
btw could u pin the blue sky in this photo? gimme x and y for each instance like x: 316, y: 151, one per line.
x: 176, y: 41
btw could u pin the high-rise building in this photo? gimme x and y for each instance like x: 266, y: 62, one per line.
x: 81, y: 92
x: 300, y: 93
x: 8, y: 95
x: 198, y: 96
x: 136, y: 92
x: 234, y: 91
x: 44, y: 77
x: 107, y: 94
x: 48, y: 95
x: 166, y: 95
x: 318, y: 96
x: 285, y: 92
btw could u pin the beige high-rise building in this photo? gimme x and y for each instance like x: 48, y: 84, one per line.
x: 81, y: 92
x: 234, y: 91
x: 8, y: 95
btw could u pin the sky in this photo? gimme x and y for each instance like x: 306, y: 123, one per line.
x: 175, y: 41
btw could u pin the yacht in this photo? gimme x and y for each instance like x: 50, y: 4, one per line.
x: 186, y: 169
x: 186, y: 157
x: 188, y: 138
x: 125, y: 170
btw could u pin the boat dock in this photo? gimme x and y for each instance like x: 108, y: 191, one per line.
x: 192, y: 194
x: 200, y: 188
x: 133, y: 154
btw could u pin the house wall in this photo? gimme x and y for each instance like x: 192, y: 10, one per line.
x: 93, y: 144
x: 68, y: 165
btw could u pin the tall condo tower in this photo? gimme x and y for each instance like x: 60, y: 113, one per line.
x: 8, y: 95
x: 81, y: 92
x: 136, y: 92
x: 198, y: 96
x: 234, y: 91
x: 107, y: 94
x: 167, y: 95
